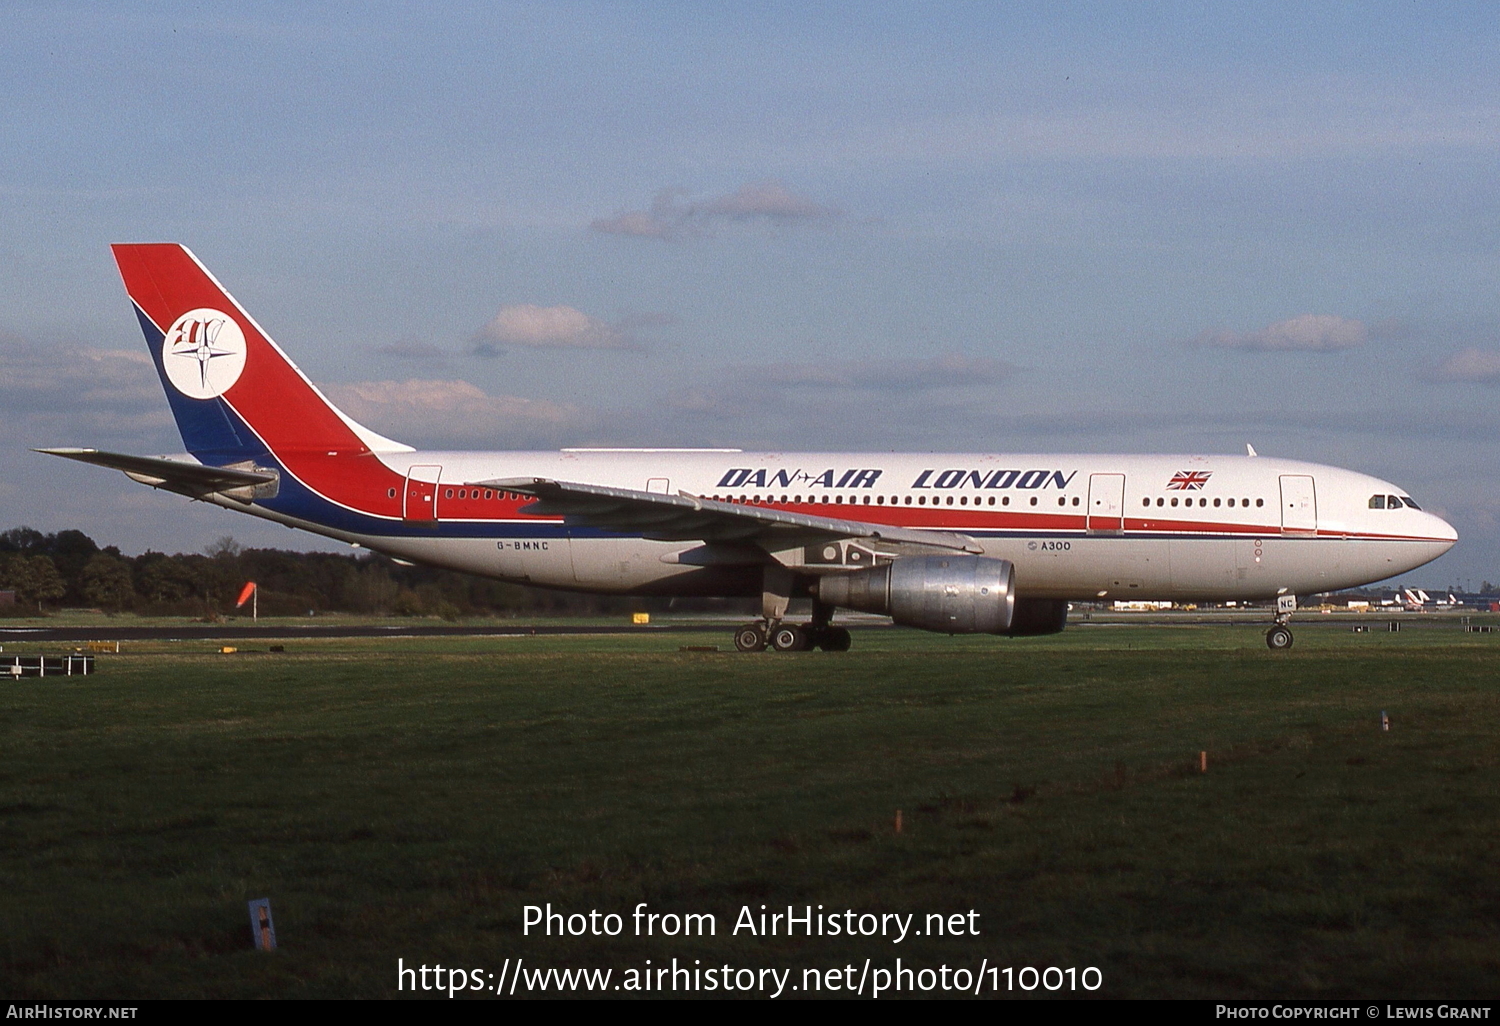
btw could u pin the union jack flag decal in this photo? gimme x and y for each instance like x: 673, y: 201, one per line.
x: 1189, y: 480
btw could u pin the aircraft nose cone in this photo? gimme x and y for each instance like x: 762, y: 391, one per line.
x: 1444, y: 530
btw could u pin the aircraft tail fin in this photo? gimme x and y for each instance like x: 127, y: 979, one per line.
x: 233, y: 392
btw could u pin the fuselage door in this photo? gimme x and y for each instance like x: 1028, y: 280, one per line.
x: 420, y: 502
x: 1106, y: 503
x: 1299, y: 505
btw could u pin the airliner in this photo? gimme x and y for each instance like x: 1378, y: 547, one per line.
x: 958, y: 543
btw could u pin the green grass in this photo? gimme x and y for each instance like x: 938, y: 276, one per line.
x: 408, y: 798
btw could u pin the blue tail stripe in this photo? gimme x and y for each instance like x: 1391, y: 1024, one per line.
x: 207, y: 427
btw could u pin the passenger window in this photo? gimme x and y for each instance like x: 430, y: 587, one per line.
x: 1260, y: 502
x: 950, y: 500
x: 964, y: 501
x: 1005, y: 501
x: 1075, y: 500
x: 1062, y: 500
x: 1216, y: 503
x: 921, y: 500
x: 390, y: 493
x: 448, y: 494
x: 1174, y: 501
x: 1145, y: 502
x: 908, y: 500
x: 1160, y: 501
x: 1033, y: 500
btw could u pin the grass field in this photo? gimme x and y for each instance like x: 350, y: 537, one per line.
x: 406, y: 799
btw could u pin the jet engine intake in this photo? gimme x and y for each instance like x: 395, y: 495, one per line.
x: 951, y: 594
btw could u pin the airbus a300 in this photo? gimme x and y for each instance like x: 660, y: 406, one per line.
x: 959, y: 543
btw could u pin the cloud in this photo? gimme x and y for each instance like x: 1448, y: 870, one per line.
x: 856, y: 404
x: 1481, y: 365
x: 646, y: 319
x: 638, y: 223
x: 1304, y: 333
x: 424, y: 351
x: 546, y: 327
x: 454, y: 413
x: 768, y: 198
x: 674, y: 216
x: 948, y: 371
x: 55, y: 394
x: 858, y: 383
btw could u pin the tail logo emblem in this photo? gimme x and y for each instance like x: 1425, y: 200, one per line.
x: 203, y: 353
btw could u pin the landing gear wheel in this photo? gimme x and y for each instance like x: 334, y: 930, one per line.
x: 750, y: 638
x: 790, y: 638
x: 1278, y: 638
x: 836, y: 639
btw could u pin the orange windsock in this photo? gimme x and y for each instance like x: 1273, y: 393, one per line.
x: 245, y: 593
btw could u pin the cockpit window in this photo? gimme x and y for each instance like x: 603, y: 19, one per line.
x: 1410, y: 501
x: 1392, y: 502
x: 1377, y: 502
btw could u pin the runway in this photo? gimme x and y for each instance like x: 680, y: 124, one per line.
x: 856, y: 622
x: 212, y: 632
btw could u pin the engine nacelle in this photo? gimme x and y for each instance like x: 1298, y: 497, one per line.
x: 951, y: 594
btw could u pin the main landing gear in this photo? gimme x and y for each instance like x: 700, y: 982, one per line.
x: 791, y: 637
x: 781, y: 636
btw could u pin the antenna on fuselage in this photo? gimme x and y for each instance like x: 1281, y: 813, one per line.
x: 1250, y: 450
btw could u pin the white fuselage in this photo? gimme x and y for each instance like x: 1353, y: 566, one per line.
x: 1074, y: 526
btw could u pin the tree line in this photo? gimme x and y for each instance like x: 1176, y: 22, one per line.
x: 69, y: 569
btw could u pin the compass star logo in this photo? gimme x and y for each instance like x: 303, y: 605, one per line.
x: 203, y: 353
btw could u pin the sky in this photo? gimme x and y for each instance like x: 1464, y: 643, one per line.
x: 926, y: 226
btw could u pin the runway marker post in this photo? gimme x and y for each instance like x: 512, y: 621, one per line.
x: 262, y: 930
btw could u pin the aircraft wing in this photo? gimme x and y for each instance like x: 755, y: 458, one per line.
x: 684, y: 517
x: 194, y: 479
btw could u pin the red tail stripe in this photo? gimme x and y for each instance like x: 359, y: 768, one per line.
x: 271, y: 395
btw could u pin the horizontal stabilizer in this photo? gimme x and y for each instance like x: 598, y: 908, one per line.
x: 172, y: 474
x: 685, y: 517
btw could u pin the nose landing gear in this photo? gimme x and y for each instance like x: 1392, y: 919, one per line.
x: 1279, y: 637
